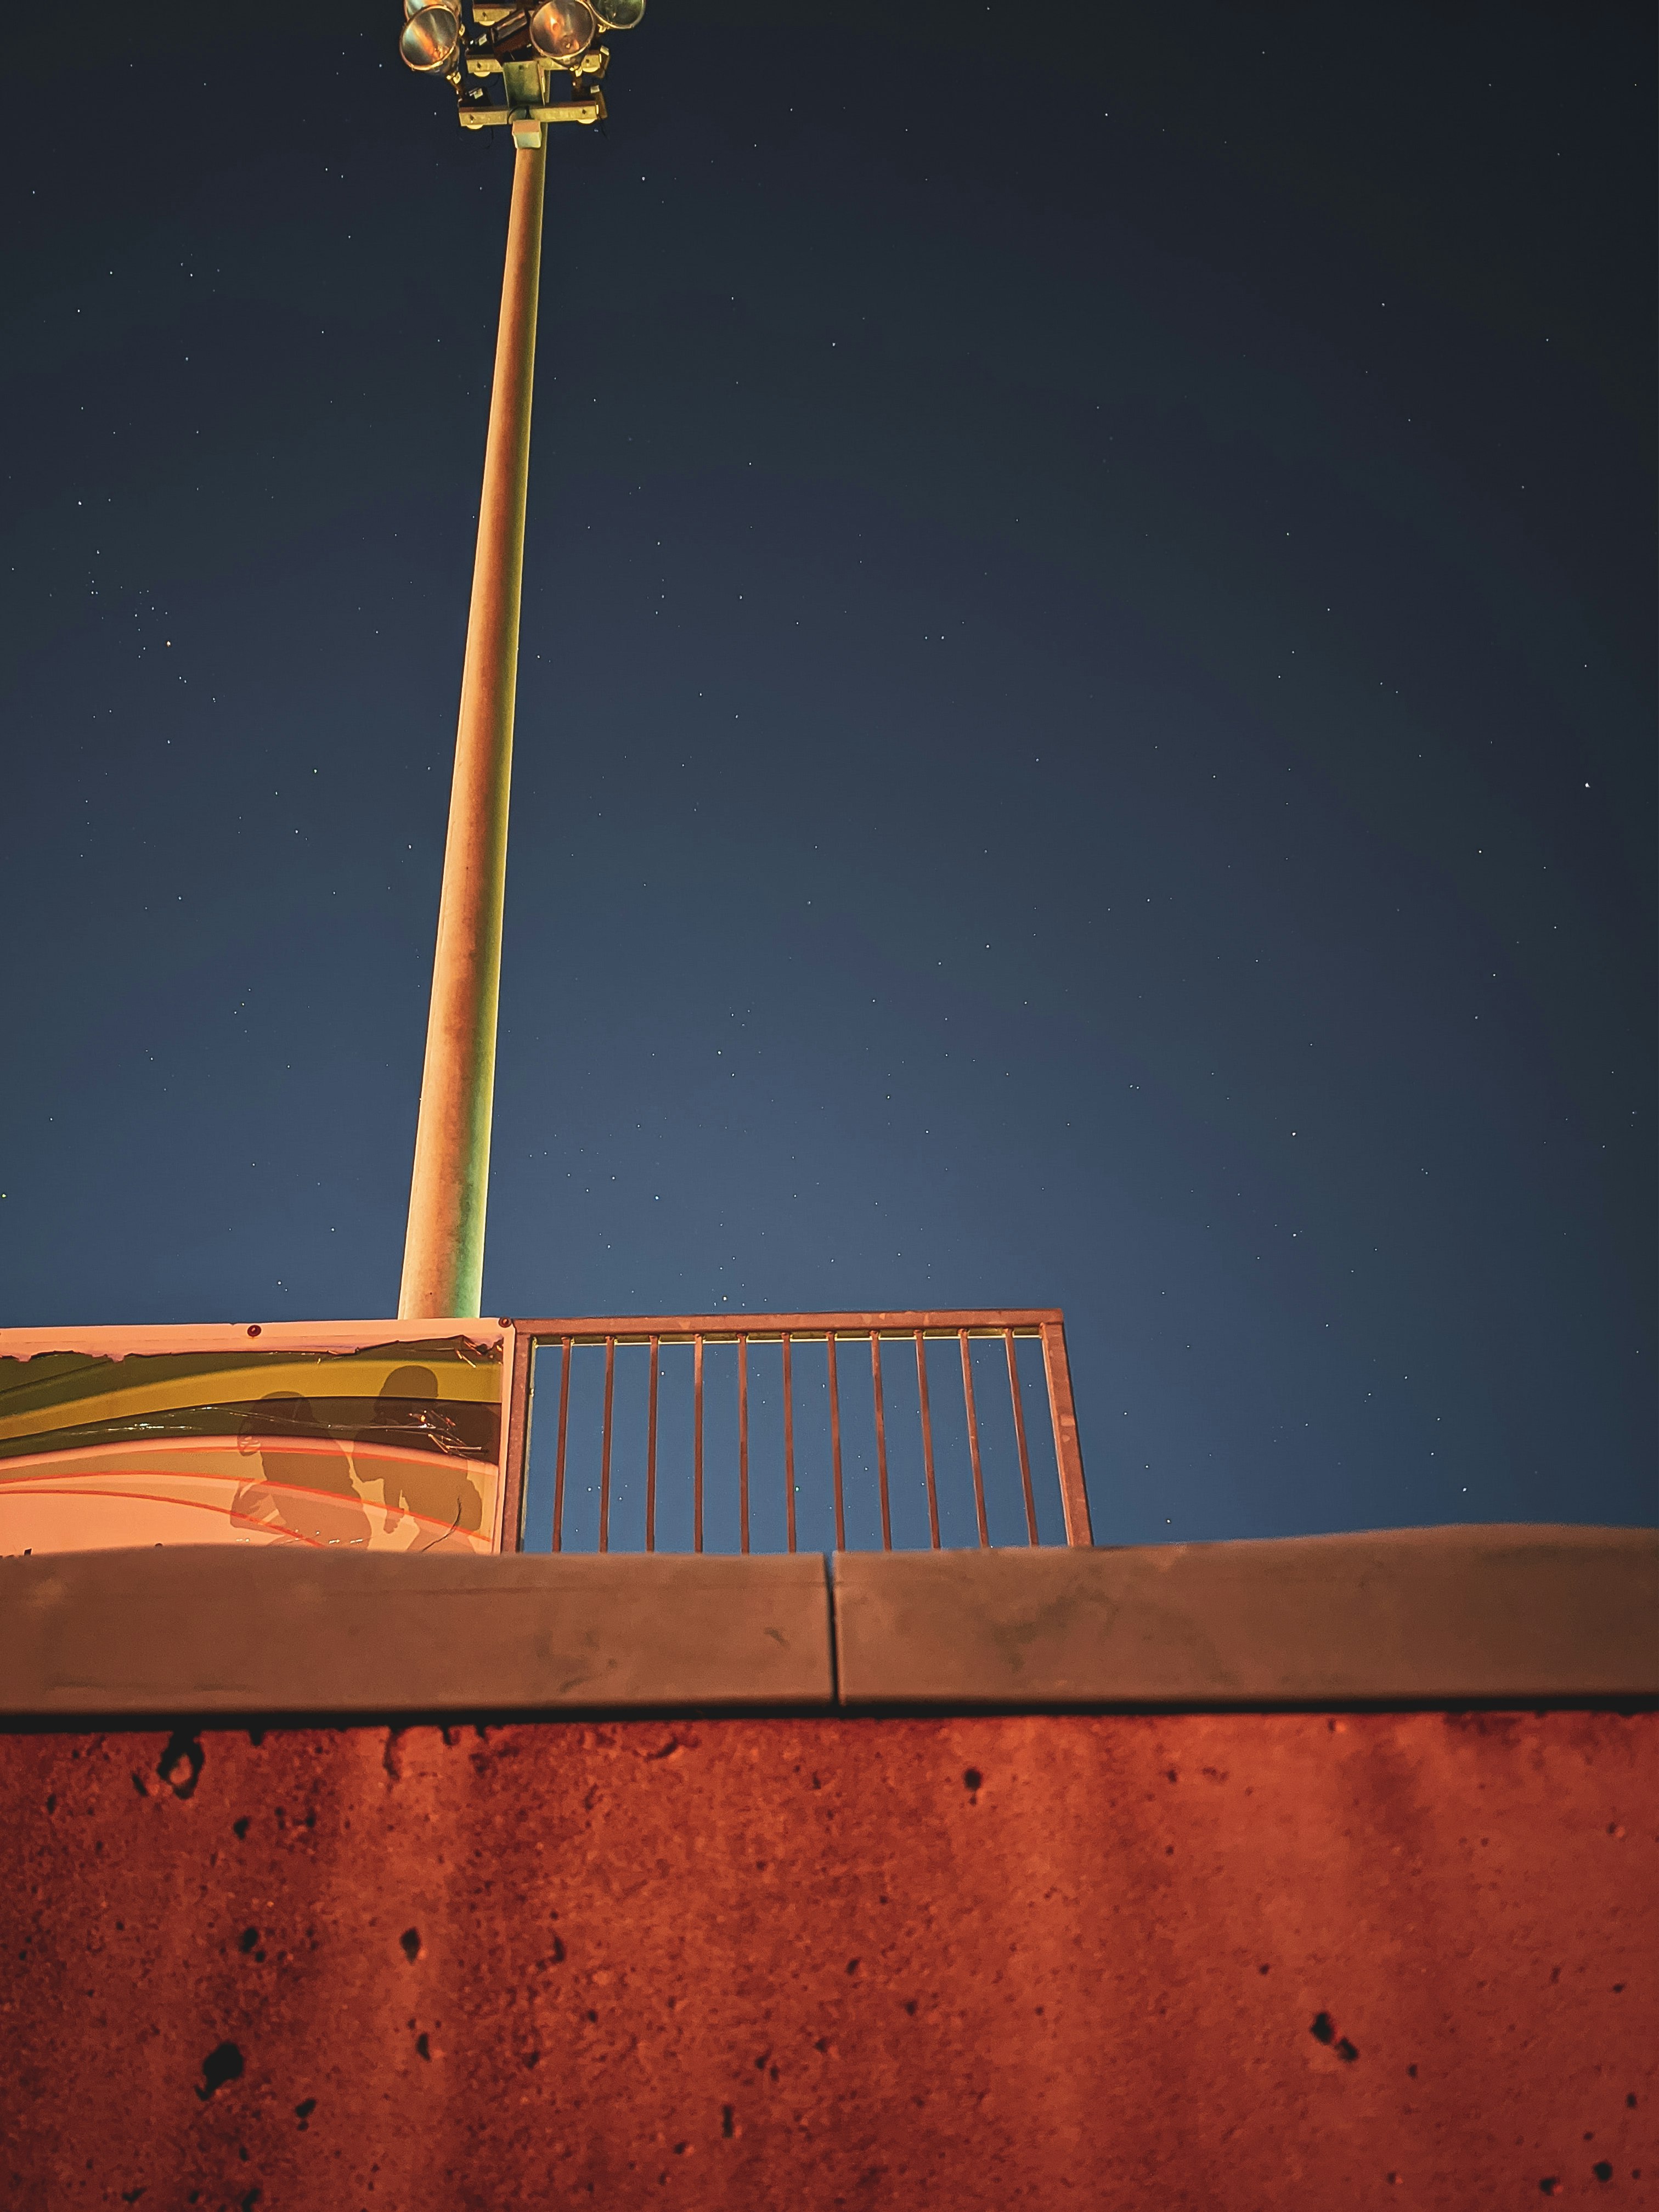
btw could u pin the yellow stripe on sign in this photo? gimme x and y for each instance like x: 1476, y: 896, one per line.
x: 458, y: 1381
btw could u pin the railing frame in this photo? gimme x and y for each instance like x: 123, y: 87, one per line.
x: 1045, y: 1324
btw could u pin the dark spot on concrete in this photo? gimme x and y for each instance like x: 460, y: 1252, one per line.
x: 910, y: 2007
x: 1346, y: 2052
x: 728, y: 2120
x: 239, y: 1828
x: 131, y: 2195
x: 303, y: 2111
x: 1412, y: 2071
x: 256, y: 1736
x: 1264, y: 1969
x: 251, y: 2199
x: 181, y: 1762
x: 680, y: 2149
x: 594, y: 2019
x: 247, y: 1939
x: 973, y: 1778
x: 1630, y: 2100
x: 852, y: 1965
x: 532, y: 2058
x: 51, y: 1801
x: 409, y: 1942
x: 1549, y: 2185
x: 223, y: 2063
x: 1618, y: 1989
x: 1601, y: 2170
x: 1323, y: 2029
x: 1173, y: 1774
x: 139, y: 1784
x: 424, y: 2044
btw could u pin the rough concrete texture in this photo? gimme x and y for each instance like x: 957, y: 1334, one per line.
x: 1219, y: 1961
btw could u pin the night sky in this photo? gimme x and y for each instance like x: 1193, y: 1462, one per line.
x: 1085, y: 726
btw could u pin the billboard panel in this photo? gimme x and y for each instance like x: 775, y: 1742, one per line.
x: 367, y: 1435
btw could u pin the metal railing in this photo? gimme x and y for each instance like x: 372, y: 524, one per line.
x: 875, y: 1336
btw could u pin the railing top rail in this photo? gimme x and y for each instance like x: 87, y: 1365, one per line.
x: 726, y: 1328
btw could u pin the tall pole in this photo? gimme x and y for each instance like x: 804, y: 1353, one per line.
x: 443, y: 1253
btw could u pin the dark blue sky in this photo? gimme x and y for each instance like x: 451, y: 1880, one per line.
x: 1085, y: 724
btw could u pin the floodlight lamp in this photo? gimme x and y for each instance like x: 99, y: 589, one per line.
x: 618, y: 14
x: 560, y: 30
x: 431, y: 38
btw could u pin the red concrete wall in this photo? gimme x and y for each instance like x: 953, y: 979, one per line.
x: 1210, y: 1961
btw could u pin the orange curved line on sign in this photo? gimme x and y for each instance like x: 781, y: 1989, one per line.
x: 194, y: 1504
x: 69, y: 1487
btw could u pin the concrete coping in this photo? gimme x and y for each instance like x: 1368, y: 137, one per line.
x: 1403, y: 1617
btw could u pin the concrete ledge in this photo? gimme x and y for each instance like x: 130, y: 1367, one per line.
x: 210, y: 1630
x: 1407, y: 1616
x: 1416, y: 1616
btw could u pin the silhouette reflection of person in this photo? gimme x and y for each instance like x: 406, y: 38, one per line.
x: 305, y: 1488
x: 436, y: 1486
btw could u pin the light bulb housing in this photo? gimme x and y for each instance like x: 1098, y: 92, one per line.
x: 618, y: 14
x: 431, y: 39
x: 561, y: 30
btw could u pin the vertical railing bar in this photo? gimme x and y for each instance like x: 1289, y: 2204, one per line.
x: 927, y: 1438
x: 788, y: 1444
x: 1020, y: 1432
x: 881, y: 1442
x: 1068, y: 1456
x: 743, y: 1443
x: 558, y: 1464
x: 835, y: 1444
x: 651, y: 1454
x: 973, y: 1444
x: 697, y: 1447
x: 604, y: 1448
x: 515, y: 1443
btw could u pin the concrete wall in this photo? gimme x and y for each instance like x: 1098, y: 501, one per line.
x: 1219, y: 1958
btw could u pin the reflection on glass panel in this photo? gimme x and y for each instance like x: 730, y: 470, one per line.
x: 393, y: 1447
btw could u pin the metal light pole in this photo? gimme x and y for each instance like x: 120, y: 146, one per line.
x: 443, y: 1251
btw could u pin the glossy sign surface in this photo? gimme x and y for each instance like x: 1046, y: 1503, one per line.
x: 389, y: 1446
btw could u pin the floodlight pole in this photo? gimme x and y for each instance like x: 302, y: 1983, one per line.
x: 443, y: 1252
